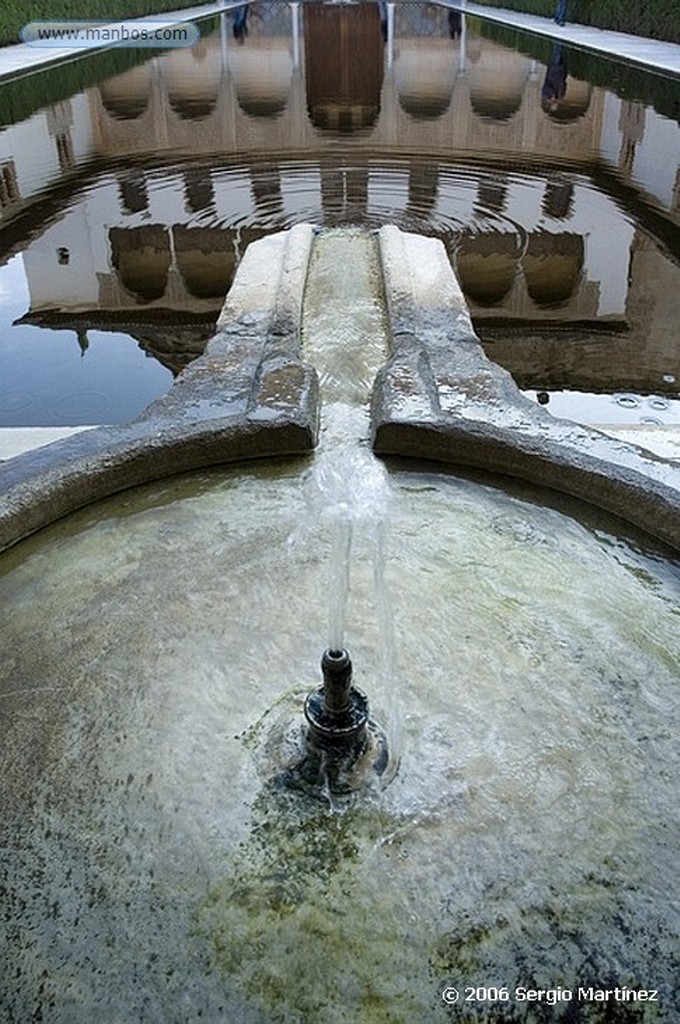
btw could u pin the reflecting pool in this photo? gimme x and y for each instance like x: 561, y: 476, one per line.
x: 131, y: 185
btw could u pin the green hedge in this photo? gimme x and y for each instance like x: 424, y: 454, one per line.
x: 14, y: 14
x: 655, y: 19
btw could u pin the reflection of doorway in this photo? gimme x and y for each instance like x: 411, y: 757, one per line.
x: 344, y: 62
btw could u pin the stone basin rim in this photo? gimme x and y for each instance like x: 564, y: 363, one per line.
x: 251, y: 396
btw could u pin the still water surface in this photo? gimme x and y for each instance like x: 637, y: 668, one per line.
x: 550, y: 176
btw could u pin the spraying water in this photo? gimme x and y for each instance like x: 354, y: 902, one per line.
x: 345, y: 336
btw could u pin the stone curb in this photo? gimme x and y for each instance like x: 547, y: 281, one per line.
x: 439, y: 397
x: 249, y: 396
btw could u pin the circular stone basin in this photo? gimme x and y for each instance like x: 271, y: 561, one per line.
x: 154, y: 870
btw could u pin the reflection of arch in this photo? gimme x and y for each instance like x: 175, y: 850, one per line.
x: 424, y: 77
x: 205, y: 259
x: 495, y: 108
x: 491, y: 197
x: 574, y: 103
x: 265, y: 186
x: 344, y: 66
x: 487, y: 265
x: 262, y: 77
x: 552, y: 266
x: 497, y: 82
x: 142, y: 258
x: 558, y: 199
x: 126, y: 96
x: 192, y: 79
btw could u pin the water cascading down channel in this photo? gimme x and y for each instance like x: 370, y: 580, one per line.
x: 343, y: 748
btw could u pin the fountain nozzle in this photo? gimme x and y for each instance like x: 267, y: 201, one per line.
x: 342, y: 741
x: 337, y: 712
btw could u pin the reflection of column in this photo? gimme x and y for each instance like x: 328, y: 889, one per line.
x: 295, y: 23
x: 390, y: 35
x: 531, y: 107
x: 356, y: 191
x: 675, y: 201
x: 175, y: 289
x: 332, y: 194
x: 463, y: 42
x: 223, y: 40
x: 199, y: 191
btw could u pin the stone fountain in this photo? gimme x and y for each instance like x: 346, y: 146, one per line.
x: 160, y: 649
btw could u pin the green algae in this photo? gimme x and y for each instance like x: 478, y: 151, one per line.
x: 298, y: 927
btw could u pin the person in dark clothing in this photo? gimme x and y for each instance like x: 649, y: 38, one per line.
x: 240, y: 26
x: 455, y: 24
x: 555, y: 84
x: 560, y: 12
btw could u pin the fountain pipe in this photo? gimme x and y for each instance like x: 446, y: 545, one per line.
x: 344, y: 747
x: 337, y: 680
x: 337, y: 712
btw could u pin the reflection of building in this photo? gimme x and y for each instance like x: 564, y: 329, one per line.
x: 255, y: 131
x: 468, y: 95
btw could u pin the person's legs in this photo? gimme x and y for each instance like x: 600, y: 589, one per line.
x: 561, y: 12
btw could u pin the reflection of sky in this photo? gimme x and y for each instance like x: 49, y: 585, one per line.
x: 45, y: 379
x: 623, y: 409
